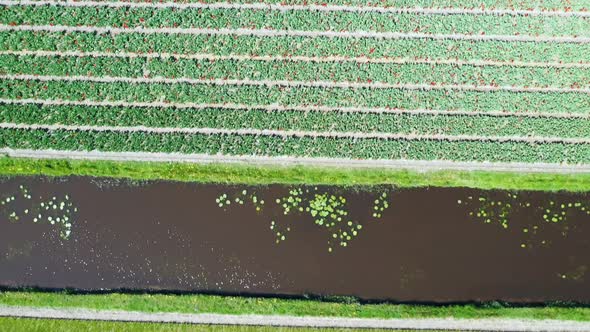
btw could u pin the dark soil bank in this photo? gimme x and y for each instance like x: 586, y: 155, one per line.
x: 424, y: 244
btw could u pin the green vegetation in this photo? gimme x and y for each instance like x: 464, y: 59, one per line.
x: 404, y: 123
x: 391, y: 73
x: 535, y: 89
x: 262, y: 175
x: 245, y: 305
x: 294, y: 20
x: 297, y: 71
x: 293, y: 96
x: 28, y: 325
x: 296, y: 46
x: 500, y: 4
x: 238, y: 144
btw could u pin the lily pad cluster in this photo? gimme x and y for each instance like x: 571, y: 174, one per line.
x: 330, y: 212
x: 493, y: 211
x: 292, y: 201
x: 281, y: 234
x: 240, y: 198
x: 327, y: 211
x: 54, y: 211
x: 556, y: 212
x: 498, y: 211
x: 380, y: 205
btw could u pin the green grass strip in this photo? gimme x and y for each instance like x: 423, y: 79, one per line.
x: 300, y: 46
x: 245, y: 305
x: 289, y: 96
x: 28, y: 324
x: 476, y: 125
x: 230, y: 144
x: 264, y: 175
x: 295, y: 20
x: 298, y: 71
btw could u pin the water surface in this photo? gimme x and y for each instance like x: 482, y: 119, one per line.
x: 379, y: 243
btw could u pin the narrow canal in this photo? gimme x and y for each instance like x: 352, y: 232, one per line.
x: 379, y: 243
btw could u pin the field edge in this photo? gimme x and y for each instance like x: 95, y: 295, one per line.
x: 316, y: 307
x: 251, y: 174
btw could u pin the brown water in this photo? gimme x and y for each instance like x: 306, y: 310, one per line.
x: 428, y: 244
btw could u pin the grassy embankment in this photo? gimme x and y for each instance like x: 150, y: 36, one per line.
x: 23, y: 324
x: 255, y: 175
x: 275, y: 306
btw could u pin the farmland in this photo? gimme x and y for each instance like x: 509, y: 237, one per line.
x: 327, y: 155
x: 486, y: 81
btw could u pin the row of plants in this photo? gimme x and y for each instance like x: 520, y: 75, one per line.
x: 546, y: 5
x: 297, y: 46
x: 279, y: 95
x: 262, y: 145
x: 297, y: 71
x: 426, y: 124
x: 295, y: 20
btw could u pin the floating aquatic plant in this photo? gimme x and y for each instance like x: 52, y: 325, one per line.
x: 327, y: 210
x: 552, y: 213
x: 556, y: 212
x: 53, y: 211
x: 380, y: 205
x: 240, y: 198
x: 281, y: 234
x: 493, y: 211
x: 222, y: 200
x: 292, y: 201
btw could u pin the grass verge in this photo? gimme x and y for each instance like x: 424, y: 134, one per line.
x: 263, y: 175
x: 274, y: 306
x: 27, y: 324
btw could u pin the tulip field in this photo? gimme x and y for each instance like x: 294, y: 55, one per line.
x: 466, y: 81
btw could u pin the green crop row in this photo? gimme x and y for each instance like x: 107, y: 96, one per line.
x: 294, y: 20
x: 298, y: 71
x: 296, y: 96
x: 303, y: 147
x: 500, y: 4
x: 296, y: 46
x: 427, y: 124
